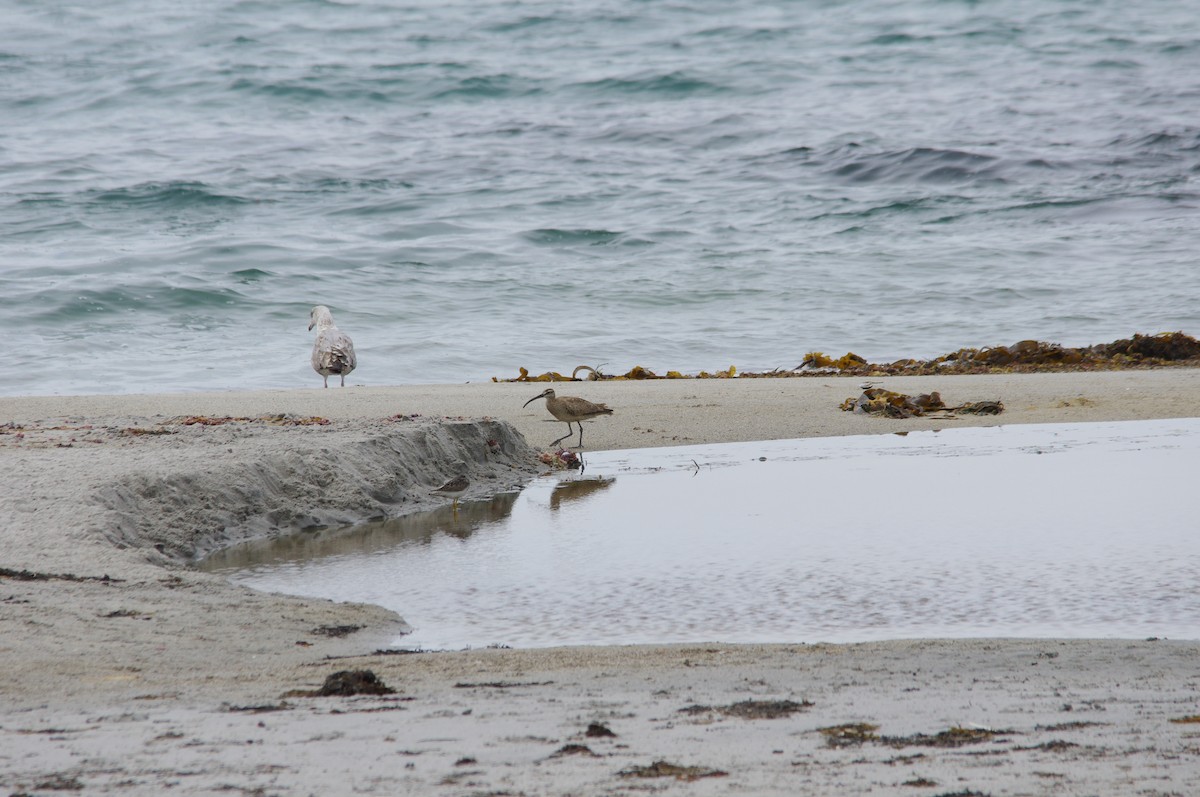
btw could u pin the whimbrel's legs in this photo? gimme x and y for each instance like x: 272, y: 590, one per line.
x: 568, y: 434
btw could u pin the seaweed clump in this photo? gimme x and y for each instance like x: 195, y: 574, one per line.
x: 753, y: 709
x: 281, y: 419
x: 951, y: 737
x: 890, y: 404
x: 850, y: 735
x: 1026, y: 356
x: 635, y: 373
x: 665, y: 769
x: 347, y: 683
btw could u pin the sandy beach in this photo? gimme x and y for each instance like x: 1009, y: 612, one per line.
x: 124, y: 670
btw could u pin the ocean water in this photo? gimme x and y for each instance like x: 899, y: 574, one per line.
x: 477, y: 186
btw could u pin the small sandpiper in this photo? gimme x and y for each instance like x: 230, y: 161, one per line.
x: 453, y: 489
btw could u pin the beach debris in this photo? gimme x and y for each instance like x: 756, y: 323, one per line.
x: 354, y: 682
x: 816, y: 360
x: 336, y: 631
x: 1188, y: 719
x: 851, y: 734
x: 979, y: 408
x: 856, y: 733
x: 347, y: 683
x: 957, y: 736
x: 878, y: 401
x: 58, y: 435
x: 598, y: 730
x: 59, y: 782
x: 500, y: 684
x: 282, y: 419
x: 665, y: 769
x: 1159, y: 350
x: 765, y: 709
x: 381, y: 652
x: 1166, y: 346
x: 463, y: 774
x: 1139, y: 351
x: 921, y: 782
x: 1074, y: 726
x: 904, y: 760
x: 549, y: 376
x: 753, y: 709
x: 562, y: 459
x: 261, y: 708
x: 890, y: 404
x: 637, y: 372
x: 134, y: 613
x: 593, y: 374
x: 574, y: 749
x: 33, y: 575
x: 1052, y: 746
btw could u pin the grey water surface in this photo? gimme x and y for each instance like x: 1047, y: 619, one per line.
x: 1084, y: 530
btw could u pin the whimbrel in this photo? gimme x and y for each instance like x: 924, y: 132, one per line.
x: 333, y: 351
x: 570, y: 409
x: 453, y: 489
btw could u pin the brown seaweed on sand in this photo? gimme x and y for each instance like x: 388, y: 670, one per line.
x: 890, y: 404
x: 1026, y: 356
x: 849, y: 735
x: 346, y: 683
x: 753, y: 709
x: 336, y: 630
x: 282, y: 419
x: 1185, y: 720
x: 951, y: 737
x: 574, y: 749
x: 665, y: 769
x: 598, y: 730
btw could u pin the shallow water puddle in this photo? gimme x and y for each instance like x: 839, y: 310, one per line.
x: 1082, y: 530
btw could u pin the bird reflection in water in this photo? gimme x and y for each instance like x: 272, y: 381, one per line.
x: 576, y: 489
x: 365, y: 538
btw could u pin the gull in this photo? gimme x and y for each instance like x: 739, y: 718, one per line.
x: 453, y: 489
x: 333, y: 351
x: 570, y: 409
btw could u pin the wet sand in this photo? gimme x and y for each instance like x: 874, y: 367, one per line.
x: 124, y: 670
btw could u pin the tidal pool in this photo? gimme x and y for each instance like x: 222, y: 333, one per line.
x: 1080, y: 530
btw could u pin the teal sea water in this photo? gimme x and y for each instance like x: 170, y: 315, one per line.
x: 478, y: 186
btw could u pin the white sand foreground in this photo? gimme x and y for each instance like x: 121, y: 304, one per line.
x: 122, y: 670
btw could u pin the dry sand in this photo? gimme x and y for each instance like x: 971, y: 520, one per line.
x: 123, y: 670
x: 681, y: 412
